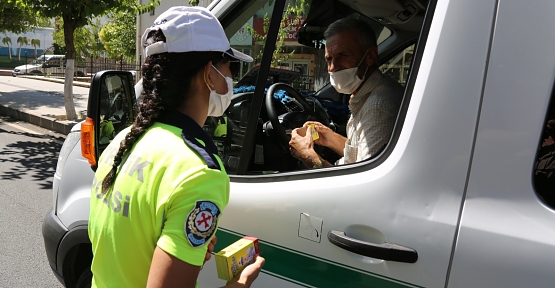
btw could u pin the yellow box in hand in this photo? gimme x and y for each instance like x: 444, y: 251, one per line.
x: 315, y: 135
x: 232, y: 259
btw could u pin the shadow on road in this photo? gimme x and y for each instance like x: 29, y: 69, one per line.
x: 32, y: 99
x: 34, y: 158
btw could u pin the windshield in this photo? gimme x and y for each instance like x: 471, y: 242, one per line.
x: 41, y: 59
x: 301, y: 66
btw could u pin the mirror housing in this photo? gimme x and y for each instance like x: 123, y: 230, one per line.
x: 112, y: 106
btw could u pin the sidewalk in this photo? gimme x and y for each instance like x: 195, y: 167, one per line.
x: 29, y: 99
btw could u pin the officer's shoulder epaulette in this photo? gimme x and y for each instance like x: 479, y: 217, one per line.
x: 194, y: 136
x: 202, y: 149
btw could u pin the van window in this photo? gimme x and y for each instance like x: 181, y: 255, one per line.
x: 253, y: 145
x: 399, y: 65
x: 544, y: 168
x: 52, y: 62
x: 41, y: 59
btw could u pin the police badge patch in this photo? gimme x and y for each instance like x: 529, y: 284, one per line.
x: 201, y: 222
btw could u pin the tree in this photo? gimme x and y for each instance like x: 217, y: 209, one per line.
x: 97, y: 48
x: 77, y: 13
x: 8, y: 41
x: 291, y: 17
x: 84, y: 39
x: 35, y: 43
x: 119, y: 35
x: 57, y: 49
x: 18, y: 17
x: 21, y: 40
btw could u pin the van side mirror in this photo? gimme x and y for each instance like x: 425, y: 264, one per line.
x: 112, y: 107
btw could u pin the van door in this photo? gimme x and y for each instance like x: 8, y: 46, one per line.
x: 389, y: 221
x: 507, y: 236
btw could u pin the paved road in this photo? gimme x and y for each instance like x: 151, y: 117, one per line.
x: 28, y: 156
x: 39, y: 97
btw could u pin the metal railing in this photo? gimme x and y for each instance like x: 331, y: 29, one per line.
x: 84, y: 68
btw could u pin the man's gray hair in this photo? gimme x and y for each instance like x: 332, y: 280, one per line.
x: 365, y: 34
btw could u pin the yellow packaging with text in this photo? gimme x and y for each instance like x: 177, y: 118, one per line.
x: 232, y: 259
x: 315, y: 135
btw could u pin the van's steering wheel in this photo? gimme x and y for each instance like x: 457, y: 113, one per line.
x: 293, y: 119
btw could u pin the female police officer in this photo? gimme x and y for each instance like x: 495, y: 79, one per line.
x: 155, y: 206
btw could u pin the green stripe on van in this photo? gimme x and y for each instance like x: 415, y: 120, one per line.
x: 309, y: 270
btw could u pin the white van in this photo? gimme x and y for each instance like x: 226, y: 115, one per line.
x: 48, y: 64
x: 453, y: 200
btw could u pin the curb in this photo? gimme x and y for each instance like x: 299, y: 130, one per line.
x: 56, y: 80
x: 53, y: 124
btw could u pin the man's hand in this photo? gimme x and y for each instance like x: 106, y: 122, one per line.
x: 248, y: 275
x: 302, y: 146
x: 328, y: 138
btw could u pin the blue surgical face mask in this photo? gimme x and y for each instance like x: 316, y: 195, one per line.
x: 346, y: 81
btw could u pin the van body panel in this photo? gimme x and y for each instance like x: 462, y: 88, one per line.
x: 412, y: 199
x: 75, y: 190
x: 455, y: 183
x: 507, y: 236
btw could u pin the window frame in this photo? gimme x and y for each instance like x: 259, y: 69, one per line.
x: 248, y: 147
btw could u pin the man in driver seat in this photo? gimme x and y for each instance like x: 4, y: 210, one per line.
x: 352, y: 57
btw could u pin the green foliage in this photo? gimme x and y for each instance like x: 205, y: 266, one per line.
x: 8, y: 42
x: 35, y: 43
x: 45, y: 22
x: 84, y: 40
x: 18, y: 16
x: 78, y: 13
x: 21, y: 40
x: 58, y: 50
x: 294, y: 10
x: 300, y: 7
x: 119, y: 36
x: 97, y: 49
x: 142, y: 9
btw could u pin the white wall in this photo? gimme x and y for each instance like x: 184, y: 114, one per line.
x: 145, y: 20
x: 44, y: 35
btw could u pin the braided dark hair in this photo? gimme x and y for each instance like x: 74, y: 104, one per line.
x: 167, y: 79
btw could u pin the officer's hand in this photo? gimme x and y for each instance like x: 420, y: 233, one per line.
x: 211, y: 246
x: 248, y: 275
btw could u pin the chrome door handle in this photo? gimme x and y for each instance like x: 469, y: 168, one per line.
x: 387, y: 251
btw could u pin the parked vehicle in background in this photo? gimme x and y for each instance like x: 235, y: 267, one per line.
x: 453, y: 200
x: 49, y: 65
